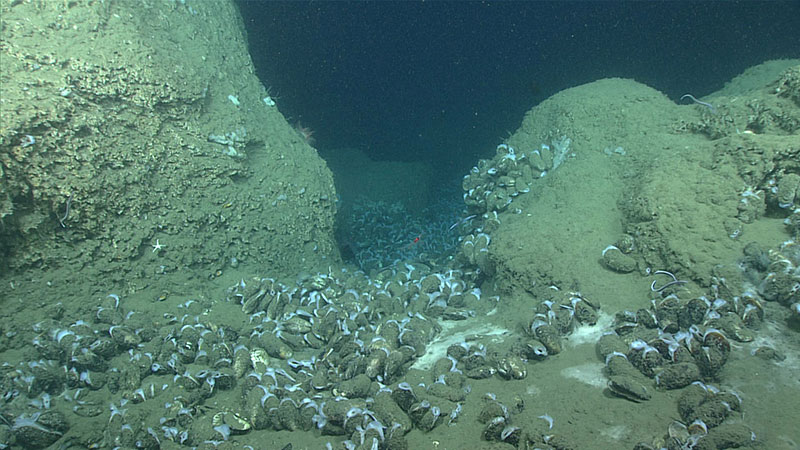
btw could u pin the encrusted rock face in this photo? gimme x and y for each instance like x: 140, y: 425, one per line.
x: 788, y: 86
x: 171, y: 142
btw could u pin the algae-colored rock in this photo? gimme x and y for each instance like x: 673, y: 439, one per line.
x: 128, y: 135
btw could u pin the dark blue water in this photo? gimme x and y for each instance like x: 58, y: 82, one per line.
x: 446, y: 81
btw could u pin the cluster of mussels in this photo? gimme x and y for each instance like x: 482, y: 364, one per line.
x: 704, y: 408
x: 379, y: 233
x: 363, y: 342
x: 675, y: 342
x: 681, y: 344
x: 519, y: 426
x: 68, y: 364
x: 793, y: 224
x: 328, y: 354
x: 355, y: 386
x: 493, y: 183
x: 774, y: 275
x: 782, y: 191
x: 474, y: 251
x: 780, y: 281
x: 553, y: 319
x: 684, y: 344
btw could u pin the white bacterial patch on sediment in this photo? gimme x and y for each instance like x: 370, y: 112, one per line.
x: 590, y: 373
x: 456, y: 332
x: 616, y: 432
x: 590, y: 334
